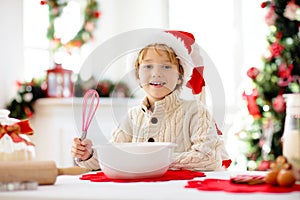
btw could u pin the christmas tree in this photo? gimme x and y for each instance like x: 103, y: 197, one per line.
x: 21, y: 107
x: 278, y: 75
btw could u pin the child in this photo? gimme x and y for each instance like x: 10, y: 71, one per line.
x: 163, y: 116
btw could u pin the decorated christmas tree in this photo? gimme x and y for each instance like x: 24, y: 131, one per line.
x: 278, y: 75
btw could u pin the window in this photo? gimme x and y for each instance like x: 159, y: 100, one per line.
x: 230, y: 33
x: 37, y: 56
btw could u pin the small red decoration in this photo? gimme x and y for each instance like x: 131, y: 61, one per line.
x: 253, y: 72
x: 251, y: 103
x: 43, y: 2
x: 59, y: 82
x: 97, y: 14
x: 276, y: 49
x: 279, y: 104
x: 285, y: 71
x: 263, y: 4
x: 14, y: 130
x: 226, y: 163
x: 197, y: 81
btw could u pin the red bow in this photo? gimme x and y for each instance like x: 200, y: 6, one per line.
x: 197, y: 81
x: 21, y: 127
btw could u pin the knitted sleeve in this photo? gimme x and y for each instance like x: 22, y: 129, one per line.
x: 92, y: 163
x: 205, y: 141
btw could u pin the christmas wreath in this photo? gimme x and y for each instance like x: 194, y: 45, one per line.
x: 91, y: 15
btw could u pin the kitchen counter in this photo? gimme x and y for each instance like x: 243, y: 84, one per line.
x: 72, y: 188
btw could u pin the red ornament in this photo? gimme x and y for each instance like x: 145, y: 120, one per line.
x: 97, y: 14
x: 43, y: 2
x: 279, y: 35
x: 284, y: 71
x: 279, y: 104
x: 263, y: 4
x: 276, y: 49
x: 253, y: 72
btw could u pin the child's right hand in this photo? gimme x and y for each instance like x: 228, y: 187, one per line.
x: 81, y: 149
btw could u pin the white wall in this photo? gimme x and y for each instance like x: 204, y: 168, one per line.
x: 11, y: 48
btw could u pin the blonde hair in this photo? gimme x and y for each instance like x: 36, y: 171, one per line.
x: 158, y: 48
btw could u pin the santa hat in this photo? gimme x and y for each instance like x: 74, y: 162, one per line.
x: 196, y: 81
x: 187, y: 51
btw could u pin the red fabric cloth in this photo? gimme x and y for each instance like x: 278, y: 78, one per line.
x: 228, y: 186
x: 169, y: 175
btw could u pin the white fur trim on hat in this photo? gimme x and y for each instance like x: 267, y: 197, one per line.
x: 175, y: 40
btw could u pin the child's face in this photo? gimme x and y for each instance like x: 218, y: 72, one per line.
x: 157, y: 75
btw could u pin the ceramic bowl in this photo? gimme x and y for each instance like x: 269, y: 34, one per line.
x: 135, y: 160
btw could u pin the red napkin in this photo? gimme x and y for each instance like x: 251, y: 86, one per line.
x: 169, y: 175
x: 228, y: 186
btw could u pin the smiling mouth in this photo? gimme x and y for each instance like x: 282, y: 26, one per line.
x: 157, y: 83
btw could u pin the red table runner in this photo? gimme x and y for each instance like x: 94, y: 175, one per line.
x: 169, y: 175
x: 228, y: 186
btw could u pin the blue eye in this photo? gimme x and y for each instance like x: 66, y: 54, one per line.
x: 166, y: 67
x: 147, y: 66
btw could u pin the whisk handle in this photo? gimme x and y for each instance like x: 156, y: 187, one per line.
x: 83, y: 135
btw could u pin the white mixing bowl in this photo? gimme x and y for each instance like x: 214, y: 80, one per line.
x: 135, y: 160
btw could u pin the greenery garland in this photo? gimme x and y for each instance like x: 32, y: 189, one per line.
x: 91, y: 15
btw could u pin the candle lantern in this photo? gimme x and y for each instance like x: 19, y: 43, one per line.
x: 59, y: 82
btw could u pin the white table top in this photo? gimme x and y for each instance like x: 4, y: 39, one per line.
x: 71, y: 187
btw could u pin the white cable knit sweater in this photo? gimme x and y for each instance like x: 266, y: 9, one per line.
x: 184, y: 122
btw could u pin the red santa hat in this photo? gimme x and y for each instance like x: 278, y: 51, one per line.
x: 188, y: 52
x: 196, y: 81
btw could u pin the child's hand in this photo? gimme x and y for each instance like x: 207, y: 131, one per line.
x: 81, y: 149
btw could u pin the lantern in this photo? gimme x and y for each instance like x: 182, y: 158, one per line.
x: 59, y: 82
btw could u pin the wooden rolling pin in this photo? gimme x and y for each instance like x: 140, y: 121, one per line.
x: 43, y: 172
